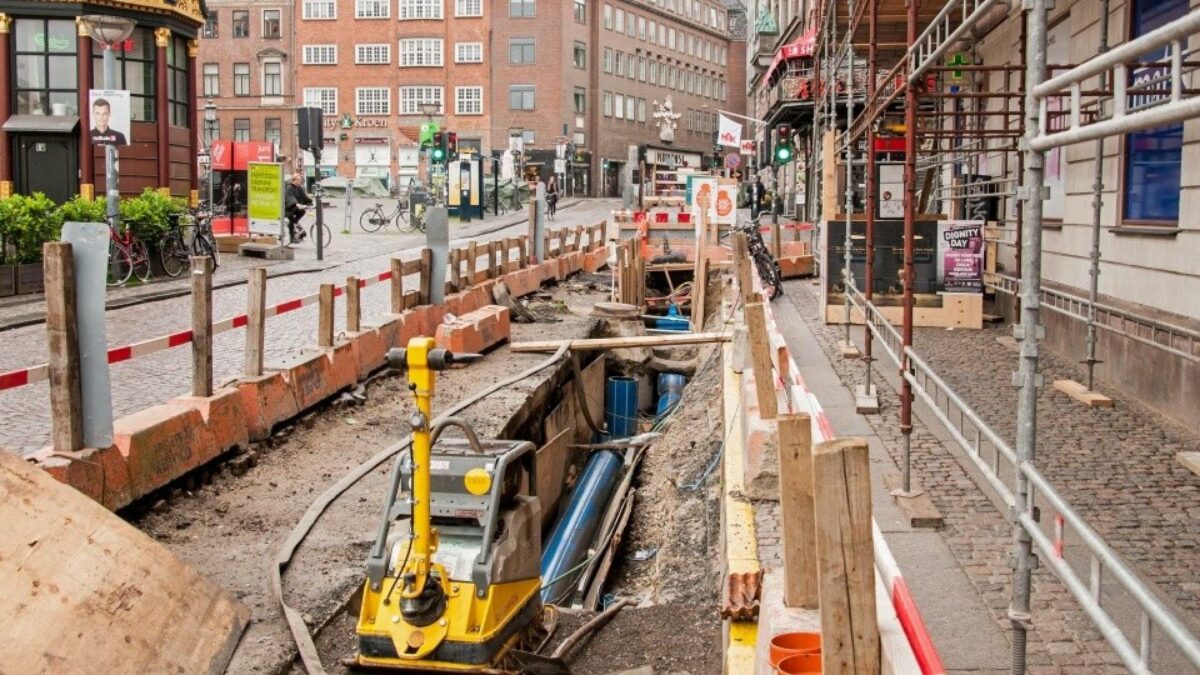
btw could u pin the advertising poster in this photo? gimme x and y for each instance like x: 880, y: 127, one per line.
x: 702, y: 196
x: 265, y: 195
x: 726, y: 202
x: 960, y: 256
x: 110, y: 116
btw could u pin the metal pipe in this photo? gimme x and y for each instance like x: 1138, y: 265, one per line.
x: 872, y: 58
x: 847, y: 272
x: 1097, y: 206
x: 909, y: 275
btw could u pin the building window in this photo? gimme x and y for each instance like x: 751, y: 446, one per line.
x: 421, y: 52
x: 468, y: 52
x: 608, y: 59
x: 212, y: 79
x: 520, y: 51
x: 608, y: 17
x: 1153, y: 158
x: 671, y: 38
x: 270, y: 24
x: 629, y: 29
x: 642, y: 68
x: 46, y: 72
x: 241, y: 130
x: 652, y: 33
x: 372, y: 101
x: 320, y: 55
x: 411, y: 99
x: 468, y: 100
x: 522, y: 9
x: 372, y: 54
x: 210, y: 25
x: 641, y: 110
x: 620, y: 64
x: 135, y: 71
x: 320, y: 9
x: 608, y: 104
x: 580, y: 11
x: 580, y: 55
x: 641, y: 28
x: 619, y: 108
x: 653, y: 79
x: 273, y: 132
x: 324, y: 98
x: 629, y: 104
x: 241, y: 23
x: 420, y: 9
x: 468, y: 7
x: 241, y: 79
x: 372, y: 9
x: 580, y: 101
x: 272, y: 78
x: 177, y: 82
x: 520, y: 97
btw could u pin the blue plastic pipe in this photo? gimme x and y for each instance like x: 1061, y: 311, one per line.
x: 673, y: 320
x: 670, y: 390
x: 574, y: 532
x: 620, y: 407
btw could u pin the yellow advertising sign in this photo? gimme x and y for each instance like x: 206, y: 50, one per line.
x: 264, y: 192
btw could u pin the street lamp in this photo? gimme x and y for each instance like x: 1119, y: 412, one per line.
x: 210, y: 131
x: 110, y: 31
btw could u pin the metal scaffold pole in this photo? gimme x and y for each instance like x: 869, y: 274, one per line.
x: 847, y: 272
x: 910, y: 215
x: 1097, y: 208
x: 870, y: 191
x: 1028, y: 332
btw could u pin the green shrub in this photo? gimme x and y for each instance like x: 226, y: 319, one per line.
x: 27, y: 222
x: 148, y: 214
x: 83, y: 210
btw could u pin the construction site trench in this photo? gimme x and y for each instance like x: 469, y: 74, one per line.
x: 228, y: 520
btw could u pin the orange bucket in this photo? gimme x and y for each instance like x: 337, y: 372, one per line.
x: 789, y: 644
x: 800, y: 663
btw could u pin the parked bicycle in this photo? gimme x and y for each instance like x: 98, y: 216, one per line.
x: 175, y: 249
x: 765, y: 263
x: 490, y: 202
x: 374, y: 218
x: 127, y: 256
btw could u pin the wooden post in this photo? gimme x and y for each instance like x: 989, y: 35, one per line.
x: 505, y: 252
x: 562, y: 241
x: 325, y: 316
x: 472, y: 261
x: 796, y: 511
x: 202, y: 370
x: 578, y: 239
x: 397, y: 285
x: 256, y: 320
x: 523, y: 251
x: 62, y: 334
x: 546, y: 245
x: 353, y: 308
x: 760, y: 360
x: 742, y: 265
x: 426, y: 271
x: 846, y: 559
x: 491, y: 260
x: 776, y: 237
x: 604, y: 230
x: 699, y: 292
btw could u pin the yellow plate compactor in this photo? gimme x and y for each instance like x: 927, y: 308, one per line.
x: 453, y: 578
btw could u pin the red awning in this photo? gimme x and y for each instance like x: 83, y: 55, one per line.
x: 802, y: 47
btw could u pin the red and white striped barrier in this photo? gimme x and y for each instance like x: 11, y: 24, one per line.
x: 19, y: 378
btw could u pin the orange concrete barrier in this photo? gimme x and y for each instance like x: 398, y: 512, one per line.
x: 475, y: 332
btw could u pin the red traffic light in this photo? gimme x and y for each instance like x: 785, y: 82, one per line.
x: 452, y: 143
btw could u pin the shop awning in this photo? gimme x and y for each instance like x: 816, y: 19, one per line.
x: 53, y: 124
x: 802, y: 47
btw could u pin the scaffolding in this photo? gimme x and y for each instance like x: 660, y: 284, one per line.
x: 1037, y: 107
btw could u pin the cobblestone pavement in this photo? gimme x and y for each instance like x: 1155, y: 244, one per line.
x: 153, y: 379
x: 1116, y: 467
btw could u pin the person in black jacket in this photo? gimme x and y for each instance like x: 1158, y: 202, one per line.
x: 758, y: 192
x: 294, y: 202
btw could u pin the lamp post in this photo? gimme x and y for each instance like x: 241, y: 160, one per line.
x: 210, y: 130
x: 110, y: 31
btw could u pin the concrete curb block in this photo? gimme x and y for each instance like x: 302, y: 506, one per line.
x: 157, y: 445
x: 475, y: 332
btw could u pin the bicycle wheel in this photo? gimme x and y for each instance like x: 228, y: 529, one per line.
x: 768, y: 272
x: 120, y: 265
x: 371, y: 220
x: 206, y: 244
x: 139, y: 257
x: 326, y: 235
x: 173, y: 255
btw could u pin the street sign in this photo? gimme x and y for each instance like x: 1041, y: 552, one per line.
x: 747, y: 147
x: 264, y: 195
x: 560, y: 166
x: 733, y: 161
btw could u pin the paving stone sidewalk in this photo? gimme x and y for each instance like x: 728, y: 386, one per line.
x: 1115, y: 467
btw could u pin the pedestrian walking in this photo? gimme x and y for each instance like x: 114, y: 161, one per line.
x: 295, y: 202
x: 758, y: 192
x: 552, y: 195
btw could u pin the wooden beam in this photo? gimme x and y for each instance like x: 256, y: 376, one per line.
x: 760, y: 360
x: 699, y: 293
x: 202, y: 370
x: 1079, y: 392
x: 742, y: 265
x: 397, y: 295
x: 846, y: 558
x: 353, y: 308
x: 325, y: 316
x: 796, y: 511
x: 622, y: 342
x: 472, y: 261
x: 426, y: 271
x: 62, y: 334
x: 256, y: 320
x: 523, y: 251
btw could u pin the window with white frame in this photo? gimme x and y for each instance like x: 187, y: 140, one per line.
x: 608, y: 59
x: 319, y: 9
x: 619, y: 108
x: 641, y: 110
x: 642, y: 68
x: 372, y: 54
x: 411, y: 99
x: 372, y: 9
x: 522, y: 9
x: 608, y: 20
x: 372, y: 101
x: 421, y: 52
x: 608, y: 104
x: 629, y: 103
x: 468, y: 52
x: 212, y: 79
x: 641, y: 27
x: 324, y: 98
x: 468, y: 7
x: 468, y: 100
x: 320, y: 55
x: 653, y: 33
x: 653, y: 73
x: 420, y: 9
x: 272, y: 74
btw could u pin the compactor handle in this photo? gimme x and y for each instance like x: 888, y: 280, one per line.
x: 439, y: 359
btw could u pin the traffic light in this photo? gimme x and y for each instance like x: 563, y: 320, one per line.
x: 438, y: 151
x: 451, y: 144
x: 785, y: 151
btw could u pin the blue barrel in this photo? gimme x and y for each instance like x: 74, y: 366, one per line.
x: 576, y: 529
x: 670, y: 390
x: 620, y: 407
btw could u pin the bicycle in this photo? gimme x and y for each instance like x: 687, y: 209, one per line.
x: 374, y: 218
x: 326, y: 234
x: 490, y: 203
x: 174, y: 250
x: 204, y: 243
x: 764, y: 262
x: 127, y: 255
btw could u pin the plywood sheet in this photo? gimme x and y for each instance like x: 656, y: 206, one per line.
x: 82, y: 591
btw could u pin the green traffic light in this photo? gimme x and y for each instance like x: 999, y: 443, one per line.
x: 438, y: 154
x: 783, y: 154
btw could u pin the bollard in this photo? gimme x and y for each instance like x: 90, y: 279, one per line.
x: 202, y: 371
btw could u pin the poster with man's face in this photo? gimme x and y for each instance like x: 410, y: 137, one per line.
x: 109, y: 110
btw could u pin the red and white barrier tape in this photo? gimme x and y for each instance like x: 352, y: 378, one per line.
x: 19, y: 378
